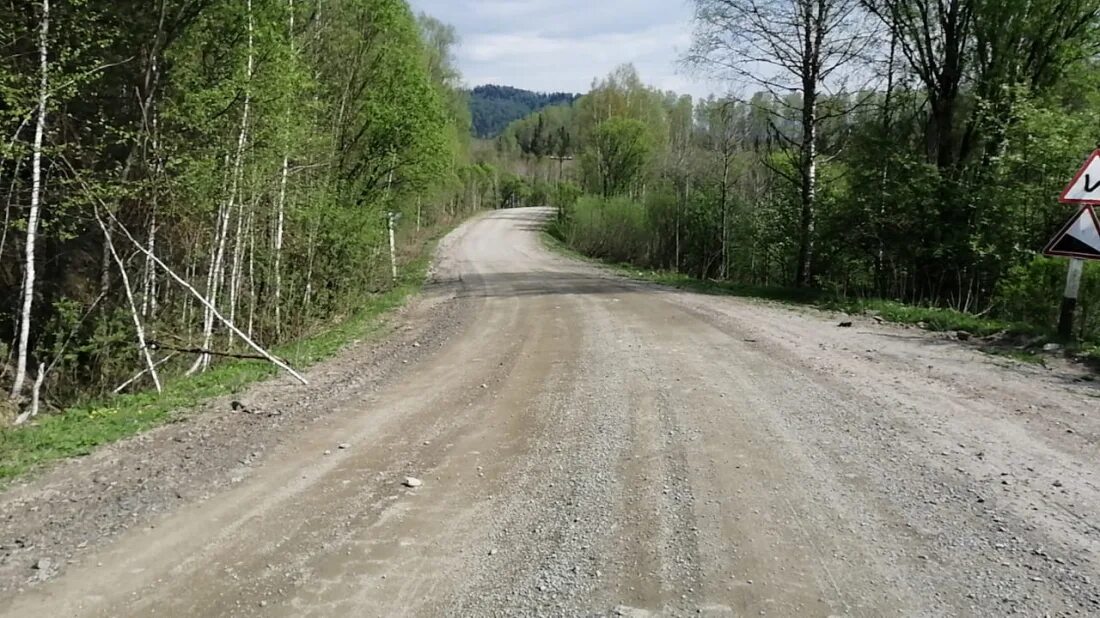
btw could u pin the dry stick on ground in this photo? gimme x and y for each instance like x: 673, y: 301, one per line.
x: 130, y: 298
x: 156, y: 345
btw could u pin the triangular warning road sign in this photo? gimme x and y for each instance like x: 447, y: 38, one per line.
x: 1085, y: 187
x: 1080, y: 238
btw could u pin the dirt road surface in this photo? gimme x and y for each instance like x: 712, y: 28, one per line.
x: 589, y: 446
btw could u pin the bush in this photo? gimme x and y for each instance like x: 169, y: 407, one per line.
x: 614, y: 229
x: 1032, y: 293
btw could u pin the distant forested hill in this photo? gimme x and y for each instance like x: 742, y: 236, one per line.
x: 495, y: 107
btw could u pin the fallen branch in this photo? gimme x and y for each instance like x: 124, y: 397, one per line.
x: 140, y: 330
x: 206, y: 303
x: 118, y: 389
x: 156, y: 345
x: 180, y: 280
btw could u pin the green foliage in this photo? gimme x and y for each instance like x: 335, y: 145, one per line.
x: 104, y: 420
x: 267, y: 132
x: 495, y: 107
x: 1032, y: 293
x: 617, y: 155
x: 614, y: 229
x: 940, y: 221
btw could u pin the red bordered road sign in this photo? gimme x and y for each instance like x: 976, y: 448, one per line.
x: 1085, y: 186
x: 1080, y: 238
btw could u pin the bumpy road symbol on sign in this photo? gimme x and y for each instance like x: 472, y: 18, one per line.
x: 1085, y: 187
x: 1080, y: 238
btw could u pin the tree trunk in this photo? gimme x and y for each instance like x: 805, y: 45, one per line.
x: 887, y: 121
x: 219, y: 257
x: 210, y: 306
x: 279, y: 219
x: 138, y: 327
x: 808, y: 189
x: 725, y: 204
x: 235, y: 269
x: 251, y: 271
x: 148, y: 291
x: 35, y: 205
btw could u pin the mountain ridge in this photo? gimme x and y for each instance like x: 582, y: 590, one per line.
x: 493, y: 107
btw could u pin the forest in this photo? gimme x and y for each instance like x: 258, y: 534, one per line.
x: 186, y: 180
x: 495, y: 107
x: 887, y: 149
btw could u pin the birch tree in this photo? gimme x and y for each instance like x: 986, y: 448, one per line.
x: 247, y: 145
x: 231, y: 200
x: 35, y: 204
x: 798, y: 51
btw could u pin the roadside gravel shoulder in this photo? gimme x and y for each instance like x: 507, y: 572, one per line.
x: 51, y: 520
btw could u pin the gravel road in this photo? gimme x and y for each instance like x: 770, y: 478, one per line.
x: 588, y: 445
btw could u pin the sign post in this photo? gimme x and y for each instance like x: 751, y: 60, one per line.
x: 1069, y: 298
x: 1080, y: 238
x: 391, y: 219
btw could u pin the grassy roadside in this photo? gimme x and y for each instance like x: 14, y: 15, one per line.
x: 81, y: 429
x: 928, y: 318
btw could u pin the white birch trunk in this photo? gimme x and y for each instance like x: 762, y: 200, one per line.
x: 219, y: 224
x: 213, y: 284
x: 309, y: 273
x: 210, y: 306
x: 190, y: 273
x: 36, y: 197
x: 149, y: 283
x: 148, y: 303
x: 251, y: 270
x: 36, y: 392
x: 138, y: 327
x: 280, y: 215
x: 235, y: 269
x: 279, y: 219
x: 208, y: 326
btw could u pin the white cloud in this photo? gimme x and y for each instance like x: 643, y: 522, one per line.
x: 562, y: 45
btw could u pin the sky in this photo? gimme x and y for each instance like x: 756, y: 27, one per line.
x: 562, y: 45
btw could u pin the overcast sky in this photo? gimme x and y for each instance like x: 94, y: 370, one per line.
x: 561, y: 45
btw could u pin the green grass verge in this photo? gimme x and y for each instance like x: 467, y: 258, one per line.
x: 79, y: 430
x: 1091, y: 354
x: 930, y: 318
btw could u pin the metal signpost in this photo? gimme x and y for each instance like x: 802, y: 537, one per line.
x: 1079, y: 239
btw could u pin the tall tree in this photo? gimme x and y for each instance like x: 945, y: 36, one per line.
x: 935, y: 38
x: 35, y: 203
x: 617, y: 155
x: 786, y: 47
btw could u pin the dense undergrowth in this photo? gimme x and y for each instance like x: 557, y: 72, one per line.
x: 79, y: 429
